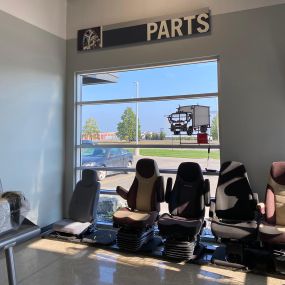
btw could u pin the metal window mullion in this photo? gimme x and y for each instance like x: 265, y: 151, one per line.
x: 149, y: 99
x: 123, y: 169
x: 168, y: 146
x: 78, y: 121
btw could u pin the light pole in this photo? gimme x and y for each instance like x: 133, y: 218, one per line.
x: 137, y: 151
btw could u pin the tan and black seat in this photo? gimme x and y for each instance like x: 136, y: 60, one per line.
x: 272, y: 228
x: 144, y: 197
x: 234, y: 211
x: 83, y: 206
x: 186, y: 202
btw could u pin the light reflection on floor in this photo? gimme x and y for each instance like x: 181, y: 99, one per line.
x: 48, y: 262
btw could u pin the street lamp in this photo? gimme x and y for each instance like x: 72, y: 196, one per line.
x: 137, y: 117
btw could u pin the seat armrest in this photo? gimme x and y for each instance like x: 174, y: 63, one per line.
x: 168, y: 189
x: 212, y: 211
x: 255, y: 197
x: 261, y: 208
x: 122, y: 192
x: 160, y: 189
x: 207, y: 192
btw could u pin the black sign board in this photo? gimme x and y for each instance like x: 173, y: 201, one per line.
x: 94, y: 38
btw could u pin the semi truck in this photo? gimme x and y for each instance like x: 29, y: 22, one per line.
x: 189, y: 119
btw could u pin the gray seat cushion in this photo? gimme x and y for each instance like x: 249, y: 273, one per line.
x: 70, y: 227
x: 84, y: 201
x: 272, y: 233
x: 242, y: 230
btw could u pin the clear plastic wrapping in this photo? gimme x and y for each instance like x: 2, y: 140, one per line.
x: 14, y: 207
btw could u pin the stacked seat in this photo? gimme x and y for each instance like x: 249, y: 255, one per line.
x: 272, y: 228
x: 136, y: 222
x: 186, y: 202
x: 234, y: 211
x: 83, y: 206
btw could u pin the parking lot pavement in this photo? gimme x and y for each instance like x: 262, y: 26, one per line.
x: 125, y: 180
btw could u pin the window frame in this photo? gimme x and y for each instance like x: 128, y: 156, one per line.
x: 78, y: 120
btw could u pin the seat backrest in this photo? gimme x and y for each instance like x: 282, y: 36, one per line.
x: 186, y: 199
x: 275, y: 194
x: 84, y: 201
x: 234, y: 197
x: 143, y: 194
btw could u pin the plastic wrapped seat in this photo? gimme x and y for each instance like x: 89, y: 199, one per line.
x: 13, y: 209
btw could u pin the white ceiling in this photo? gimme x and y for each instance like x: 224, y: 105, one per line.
x: 49, y: 15
x: 88, y: 13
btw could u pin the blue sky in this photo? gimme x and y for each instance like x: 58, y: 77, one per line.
x: 164, y: 81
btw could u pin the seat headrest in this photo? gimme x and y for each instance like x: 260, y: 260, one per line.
x: 146, y: 167
x: 89, y: 177
x: 230, y: 170
x: 278, y: 172
x: 190, y: 171
x: 234, y: 193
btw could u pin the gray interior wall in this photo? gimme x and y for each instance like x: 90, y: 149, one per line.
x: 32, y: 81
x: 251, y: 48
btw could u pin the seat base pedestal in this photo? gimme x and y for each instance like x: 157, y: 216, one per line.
x: 221, y: 257
x: 241, y: 257
x: 279, y: 260
x: 182, y: 250
x: 133, y: 239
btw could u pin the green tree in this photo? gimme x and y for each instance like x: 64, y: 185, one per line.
x: 126, y: 128
x: 162, y: 135
x: 214, y: 128
x: 148, y: 136
x: 155, y: 136
x: 90, y: 130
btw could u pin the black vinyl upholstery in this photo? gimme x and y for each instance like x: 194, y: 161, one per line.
x: 186, y: 202
x: 187, y: 196
x: 84, y: 201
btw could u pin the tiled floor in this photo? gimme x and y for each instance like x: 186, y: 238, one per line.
x: 47, y: 262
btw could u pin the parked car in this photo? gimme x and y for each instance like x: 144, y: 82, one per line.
x: 88, y: 142
x: 106, y: 157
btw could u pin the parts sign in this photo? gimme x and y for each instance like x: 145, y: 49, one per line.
x: 103, y: 37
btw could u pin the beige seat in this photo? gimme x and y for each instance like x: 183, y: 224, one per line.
x: 143, y: 198
x: 137, y: 220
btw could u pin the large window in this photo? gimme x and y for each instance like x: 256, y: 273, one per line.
x: 167, y: 113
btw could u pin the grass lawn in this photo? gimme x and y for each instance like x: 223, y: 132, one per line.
x: 180, y: 153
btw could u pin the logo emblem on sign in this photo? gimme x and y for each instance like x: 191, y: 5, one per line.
x: 91, y: 39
